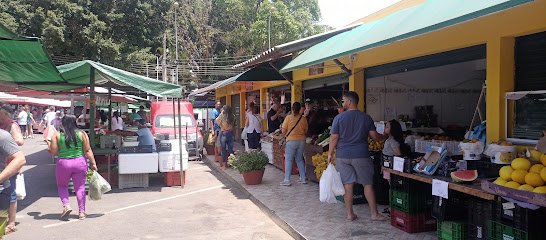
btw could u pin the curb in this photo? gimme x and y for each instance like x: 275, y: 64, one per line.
x: 270, y: 213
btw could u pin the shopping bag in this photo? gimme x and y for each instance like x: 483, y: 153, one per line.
x: 98, y: 186
x: 326, y: 183
x: 20, y: 186
x: 244, y: 134
x: 49, y: 132
x: 212, y: 139
x: 337, y: 185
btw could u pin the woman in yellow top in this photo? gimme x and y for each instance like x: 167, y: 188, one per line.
x: 294, y: 127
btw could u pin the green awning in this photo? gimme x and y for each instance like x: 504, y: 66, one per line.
x: 427, y: 17
x: 78, y: 75
x: 23, y: 60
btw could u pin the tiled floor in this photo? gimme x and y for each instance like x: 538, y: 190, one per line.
x: 299, y: 206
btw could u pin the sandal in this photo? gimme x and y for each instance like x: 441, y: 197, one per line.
x: 66, y: 211
x: 82, y: 216
x: 10, y: 229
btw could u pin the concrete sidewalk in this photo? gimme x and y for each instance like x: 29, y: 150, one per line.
x: 297, y: 209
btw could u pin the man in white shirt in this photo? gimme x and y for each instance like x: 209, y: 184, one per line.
x: 22, y: 120
x: 50, y: 115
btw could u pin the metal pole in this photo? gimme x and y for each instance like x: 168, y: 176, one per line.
x: 180, y: 145
x: 176, y: 40
x: 174, y: 120
x: 110, y: 109
x: 269, y: 31
x: 92, y: 106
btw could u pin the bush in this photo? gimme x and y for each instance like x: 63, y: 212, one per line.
x: 249, y: 161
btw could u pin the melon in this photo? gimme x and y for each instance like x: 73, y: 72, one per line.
x: 464, y: 176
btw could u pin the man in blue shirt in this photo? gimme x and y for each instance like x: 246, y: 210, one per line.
x: 349, y: 137
x: 144, y: 134
x: 216, y: 129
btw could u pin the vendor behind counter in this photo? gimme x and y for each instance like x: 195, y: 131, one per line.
x: 144, y: 134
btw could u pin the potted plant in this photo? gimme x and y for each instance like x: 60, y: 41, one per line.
x: 250, y: 164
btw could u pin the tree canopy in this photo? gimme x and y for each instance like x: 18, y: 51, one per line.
x: 125, y: 32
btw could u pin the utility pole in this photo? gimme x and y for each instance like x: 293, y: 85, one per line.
x: 164, y: 60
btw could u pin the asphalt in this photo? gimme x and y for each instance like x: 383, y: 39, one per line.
x: 208, y: 207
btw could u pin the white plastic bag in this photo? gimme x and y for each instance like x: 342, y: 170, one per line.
x: 330, y: 185
x: 244, y: 134
x: 98, y: 186
x: 20, y: 186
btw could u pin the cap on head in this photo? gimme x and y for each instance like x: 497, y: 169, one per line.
x: 308, y: 100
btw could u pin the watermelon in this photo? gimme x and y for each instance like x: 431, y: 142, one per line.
x: 464, y: 176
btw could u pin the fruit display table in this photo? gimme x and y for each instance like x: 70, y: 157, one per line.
x: 473, y: 189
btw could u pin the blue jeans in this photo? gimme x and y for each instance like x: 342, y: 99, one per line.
x: 226, y: 140
x: 294, y: 149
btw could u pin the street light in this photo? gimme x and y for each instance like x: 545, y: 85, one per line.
x: 269, y: 26
x: 176, y: 5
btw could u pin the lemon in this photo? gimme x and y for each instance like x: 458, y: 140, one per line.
x: 543, y: 159
x: 500, y: 181
x: 543, y: 174
x: 506, y: 173
x: 518, y: 175
x: 535, y: 155
x: 536, y: 168
x: 526, y: 188
x: 521, y: 163
x: 540, y: 189
x: 512, y: 184
x: 534, y: 179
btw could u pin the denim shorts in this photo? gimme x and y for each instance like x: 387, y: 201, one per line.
x: 11, y: 188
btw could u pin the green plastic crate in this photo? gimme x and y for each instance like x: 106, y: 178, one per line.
x: 358, y: 195
x: 499, y: 231
x: 410, y: 202
x: 452, y: 230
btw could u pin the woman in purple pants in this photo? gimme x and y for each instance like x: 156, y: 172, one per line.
x: 72, y: 148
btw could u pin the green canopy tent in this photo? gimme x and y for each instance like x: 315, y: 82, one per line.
x: 24, y: 61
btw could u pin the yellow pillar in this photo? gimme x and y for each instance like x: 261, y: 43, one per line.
x: 500, y: 79
x: 263, y: 106
x: 228, y: 100
x: 297, y: 91
x: 242, y: 97
x: 356, y: 83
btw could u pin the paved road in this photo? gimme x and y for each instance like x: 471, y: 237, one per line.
x: 209, y: 207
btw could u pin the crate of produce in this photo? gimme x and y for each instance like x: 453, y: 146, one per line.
x: 520, y: 195
x: 133, y: 180
x: 520, y: 218
x: 412, y: 223
x: 498, y: 231
x: 480, y: 212
x: 173, y: 178
x: 452, y: 209
x: 410, y: 202
x: 451, y: 146
x: 408, y: 185
x: 358, y: 195
x: 450, y: 230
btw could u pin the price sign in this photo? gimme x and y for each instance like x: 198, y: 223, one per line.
x: 398, y: 164
x: 440, y: 188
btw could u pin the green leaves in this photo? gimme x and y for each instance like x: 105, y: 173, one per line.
x: 248, y: 161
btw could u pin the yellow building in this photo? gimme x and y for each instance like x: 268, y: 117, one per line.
x: 446, y: 55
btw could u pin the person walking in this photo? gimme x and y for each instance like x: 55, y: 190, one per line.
x: 30, y: 123
x: 254, y: 128
x: 9, y: 152
x: 72, y: 147
x: 22, y: 121
x: 226, y: 122
x: 349, y: 137
x: 215, y: 128
x: 294, y: 128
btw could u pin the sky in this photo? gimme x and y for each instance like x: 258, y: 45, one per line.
x: 339, y: 13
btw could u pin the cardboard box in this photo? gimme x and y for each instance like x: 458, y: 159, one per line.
x: 520, y: 195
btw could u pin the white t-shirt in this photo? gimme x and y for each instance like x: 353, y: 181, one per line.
x: 22, y: 118
x: 254, y: 123
x: 49, y: 117
x: 117, y: 123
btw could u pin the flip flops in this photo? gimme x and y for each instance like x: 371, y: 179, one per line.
x: 10, y: 229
